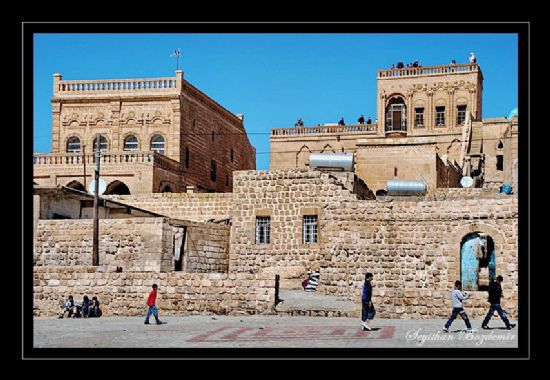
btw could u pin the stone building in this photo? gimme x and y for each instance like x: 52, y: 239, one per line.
x: 157, y: 135
x: 429, y: 127
x: 286, y: 222
x: 292, y: 219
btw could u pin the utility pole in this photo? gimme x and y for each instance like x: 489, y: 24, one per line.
x: 97, y: 156
x: 84, y: 161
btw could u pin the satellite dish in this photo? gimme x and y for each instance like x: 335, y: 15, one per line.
x: 466, y: 181
x: 102, y: 186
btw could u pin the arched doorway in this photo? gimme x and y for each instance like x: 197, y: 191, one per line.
x: 396, y: 115
x: 76, y: 185
x: 117, y: 187
x: 477, y: 261
x: 381, y: 193
x: 166, y: 189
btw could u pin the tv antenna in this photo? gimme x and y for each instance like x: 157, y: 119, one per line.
x: 177, y: 54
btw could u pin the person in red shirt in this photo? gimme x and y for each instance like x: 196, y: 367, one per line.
x: 152, y: 308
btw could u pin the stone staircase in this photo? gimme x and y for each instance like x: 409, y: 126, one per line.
x: 476, y: 145
x: 314, y: 304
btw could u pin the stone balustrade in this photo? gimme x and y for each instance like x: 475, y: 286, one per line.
x: 86, y: 87
x: 146, y: 157
x: 326, y: 129
x: 428, y: 70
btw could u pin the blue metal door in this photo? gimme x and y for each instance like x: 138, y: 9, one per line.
x: 469, y: 264
x: 492, y: 266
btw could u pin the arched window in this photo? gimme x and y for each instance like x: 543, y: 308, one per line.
x: 73, y: 145
x: 396, y: 115
x: 157, y: 144
x: 102, y: 144
x: 131, y: 143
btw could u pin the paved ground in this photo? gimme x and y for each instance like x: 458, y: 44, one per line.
x: 264, y: 331
x: 300, y: 300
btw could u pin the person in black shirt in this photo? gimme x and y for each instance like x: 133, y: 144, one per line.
x: 95, y: 310
x: 367, y: 309
x: 495, y: 293
x: 341, y: 122
x: 361, y: 120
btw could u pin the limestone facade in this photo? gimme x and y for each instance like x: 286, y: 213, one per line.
x: 158, y: 135
x: 412, y: 245
x: 438, y: 105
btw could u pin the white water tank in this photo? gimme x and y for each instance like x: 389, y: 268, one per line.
x: 342, y: 161
x: 406, y: 187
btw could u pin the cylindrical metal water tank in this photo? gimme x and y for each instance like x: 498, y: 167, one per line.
x: 342, y: 161
x: 406, y: 187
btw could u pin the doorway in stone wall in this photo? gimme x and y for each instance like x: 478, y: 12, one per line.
x: 477, y: 261
x: 179, y: 250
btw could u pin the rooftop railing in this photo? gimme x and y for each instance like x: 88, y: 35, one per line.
x: 116, y: 85
x: 428, y: 70
x: 326, y: 129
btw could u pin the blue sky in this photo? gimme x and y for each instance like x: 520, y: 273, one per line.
x: 272, y: 79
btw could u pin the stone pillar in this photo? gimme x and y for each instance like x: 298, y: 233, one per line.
x: 116, y: 144
x: 452, y: 112
x: 56, y: 126
x: 174, y: 147
x: 179, y: 80
x: 430, y: 112
x: 56, y: 114
x: 381, y: 114
x: 57, y: 78
x: 410, y: 114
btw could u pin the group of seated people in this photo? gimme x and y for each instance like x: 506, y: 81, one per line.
x: 401, y: 65
x: 84, y: 309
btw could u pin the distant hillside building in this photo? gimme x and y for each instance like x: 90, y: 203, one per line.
x: 157, y: 135
x: 429, y: 127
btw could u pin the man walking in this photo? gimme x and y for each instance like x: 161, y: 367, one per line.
x: 457, y: 296
x: 152, y: 308
x: 367, y: 310
x: 495, y: 293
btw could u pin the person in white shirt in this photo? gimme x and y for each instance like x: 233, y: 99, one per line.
x: 472, y: 58
x: 457, y: 296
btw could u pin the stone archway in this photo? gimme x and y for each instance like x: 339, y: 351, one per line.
x: 456, y: 238
x: 76, y: 185
x: 302, y: 156
x: 117, y: 187
x: 167, y: 188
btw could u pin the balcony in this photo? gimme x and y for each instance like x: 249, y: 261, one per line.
x: 396, y: 128
x: 77, y: 159
x: 326, y: 129
x: 428, y: 71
